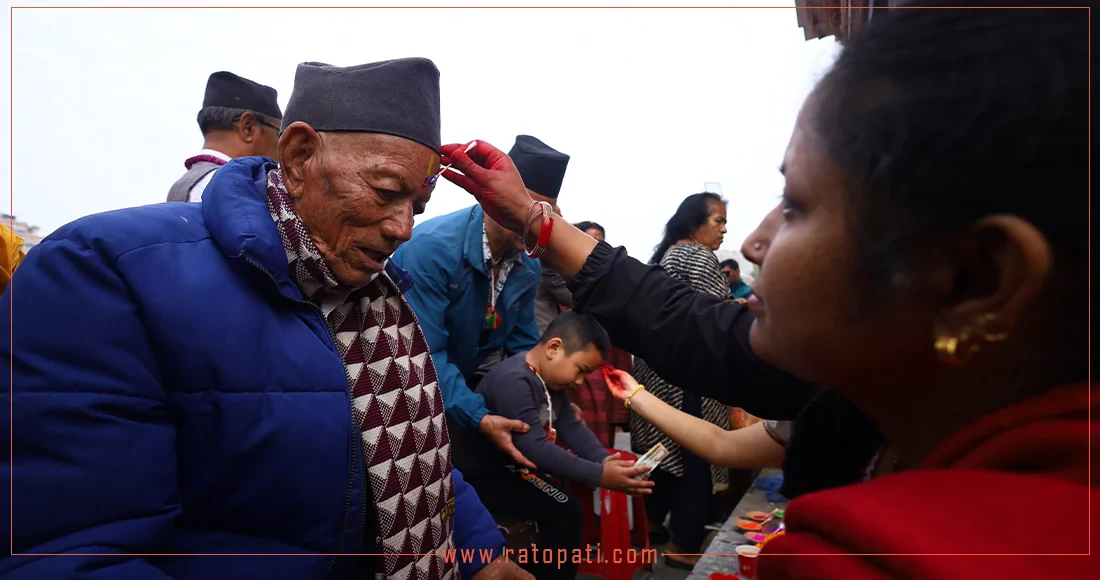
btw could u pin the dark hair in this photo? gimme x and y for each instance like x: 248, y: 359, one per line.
x: 940, y: 117
x: 576, y: 332
x: 692, y: 213
x: 585, y: 226
x: 225, y: 118
x: 731, y: 263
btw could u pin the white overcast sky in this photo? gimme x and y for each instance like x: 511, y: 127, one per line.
x: 650, y: 103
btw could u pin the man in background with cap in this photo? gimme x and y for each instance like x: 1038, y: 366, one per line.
x: 475, y: 294
x: 279, y: 400
x: 239, y: 118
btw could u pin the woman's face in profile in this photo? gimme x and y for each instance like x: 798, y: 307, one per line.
x: 713, y: 232
x: 808, y: 319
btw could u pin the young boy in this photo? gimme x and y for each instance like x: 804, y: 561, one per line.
x: 533, y: 387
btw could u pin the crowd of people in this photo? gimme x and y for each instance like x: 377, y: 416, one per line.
x: 276, y: 361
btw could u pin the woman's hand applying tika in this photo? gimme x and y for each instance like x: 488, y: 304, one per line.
x: 620, y: 383
x: 491, y: 177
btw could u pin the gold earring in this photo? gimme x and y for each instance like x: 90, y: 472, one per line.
x: 956, y: 351
x: 948, y: 347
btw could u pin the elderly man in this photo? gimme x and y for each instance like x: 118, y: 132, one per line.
x: 475, y: 293
x: 239, y: 118
x: 243, y: 376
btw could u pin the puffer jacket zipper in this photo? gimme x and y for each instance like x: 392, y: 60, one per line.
x: 356, y: 458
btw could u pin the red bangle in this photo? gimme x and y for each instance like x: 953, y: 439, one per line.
x: 531, y: 215
x: 544, y: 234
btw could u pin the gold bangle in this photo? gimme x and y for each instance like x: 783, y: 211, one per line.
x: 626, y: 401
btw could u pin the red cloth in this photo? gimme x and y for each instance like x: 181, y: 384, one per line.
x: 602, y: 411
x: 1014, y: 482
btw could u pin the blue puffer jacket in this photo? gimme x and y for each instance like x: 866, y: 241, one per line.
x: 173, y: 393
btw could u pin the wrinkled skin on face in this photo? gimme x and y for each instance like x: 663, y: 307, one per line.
x: 357, y: 193
x: 713, y: 232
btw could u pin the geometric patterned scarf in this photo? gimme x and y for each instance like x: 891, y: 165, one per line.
x: 396, y: 401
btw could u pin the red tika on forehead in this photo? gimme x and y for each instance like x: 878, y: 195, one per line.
x: 431, y: 179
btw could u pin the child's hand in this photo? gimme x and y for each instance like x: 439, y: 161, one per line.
x: 619, y: 475
x: 618, y: 382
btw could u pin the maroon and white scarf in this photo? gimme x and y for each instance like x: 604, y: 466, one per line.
x: 396, y: 400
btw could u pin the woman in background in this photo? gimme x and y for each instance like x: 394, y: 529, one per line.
x: 685, y: 483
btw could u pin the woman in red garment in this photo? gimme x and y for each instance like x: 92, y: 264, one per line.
x: 936, y: 209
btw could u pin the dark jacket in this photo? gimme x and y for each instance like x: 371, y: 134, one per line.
x: 513, y: 390
x: 701, y: 344
x: 551, y: 296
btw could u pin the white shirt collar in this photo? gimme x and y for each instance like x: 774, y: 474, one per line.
x: 215, y: 153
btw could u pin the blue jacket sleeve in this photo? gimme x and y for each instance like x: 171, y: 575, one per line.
x: 93, y: 466
x: 476, y: 534
x: 526, y: 333
x: 428, y: 298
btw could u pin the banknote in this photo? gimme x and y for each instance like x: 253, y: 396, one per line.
x: 651, y: 459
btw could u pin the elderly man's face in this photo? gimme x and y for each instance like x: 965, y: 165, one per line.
x: 357, y: 193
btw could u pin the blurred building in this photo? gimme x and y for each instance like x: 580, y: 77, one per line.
x: 838, y: 18
x: 24, y: 230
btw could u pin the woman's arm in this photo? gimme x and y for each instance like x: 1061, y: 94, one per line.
x: 695, y: 341
x: 746, y: 448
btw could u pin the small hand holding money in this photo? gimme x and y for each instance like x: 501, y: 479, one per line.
x: 652, y: 458
x: 624, y: 476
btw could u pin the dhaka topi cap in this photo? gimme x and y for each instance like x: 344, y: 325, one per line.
x: 395, y: 97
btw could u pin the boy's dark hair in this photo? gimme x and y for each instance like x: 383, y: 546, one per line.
x: 576, y: 332
x: 731, y: 263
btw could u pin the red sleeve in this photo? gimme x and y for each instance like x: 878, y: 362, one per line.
x: 777, y: 561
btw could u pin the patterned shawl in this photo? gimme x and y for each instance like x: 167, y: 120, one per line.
x: 396, y: 401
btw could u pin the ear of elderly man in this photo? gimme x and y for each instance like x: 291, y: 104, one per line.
x: 243, y: 376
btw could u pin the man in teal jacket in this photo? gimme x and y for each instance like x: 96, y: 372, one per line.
x: 475, y: 294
